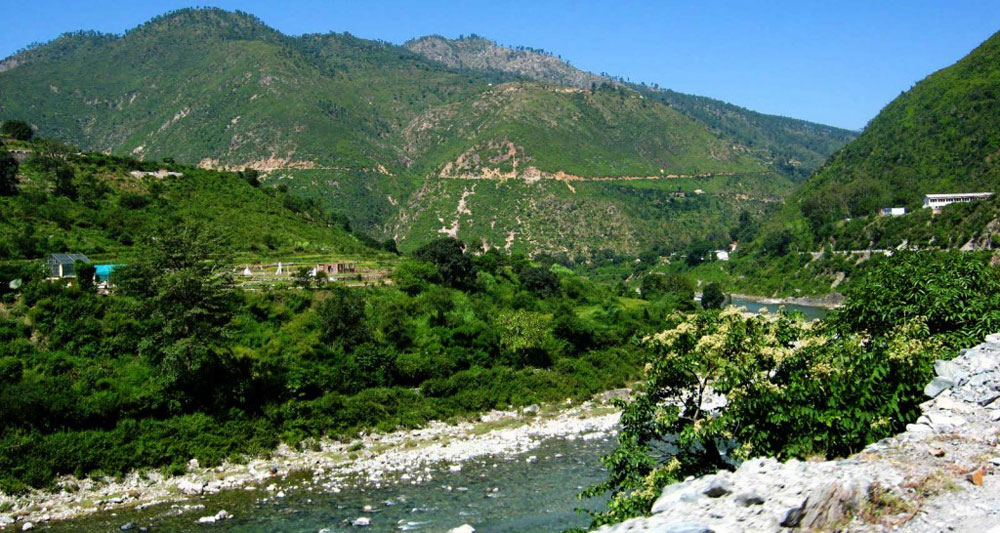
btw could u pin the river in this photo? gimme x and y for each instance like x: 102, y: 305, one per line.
x: 810, y: 312
x: 534, y: 491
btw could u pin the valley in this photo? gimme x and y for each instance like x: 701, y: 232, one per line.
x: 257, y: 280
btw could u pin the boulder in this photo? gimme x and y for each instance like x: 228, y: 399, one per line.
x: 363, y: 521
x: 718, y: 487
x: 191, y: 487
x: 464, y: 528
x: 748, y: 498
x: 937, y: 386
x: 794, y: 511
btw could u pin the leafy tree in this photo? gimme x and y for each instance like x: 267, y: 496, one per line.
x: 777, y: 242
x: 657, y: 285
x: 17, y: 129
x: 8, y: 174
x: 541, y: 281
x: 712, y: 297
x: 698, y: 253
x: 721, y: 388
x: 413, y: 277
x: 448, y: 255
x: 341, y: 318
x: 180, y: 276
x: 85, y: 274
x: 957, y: 293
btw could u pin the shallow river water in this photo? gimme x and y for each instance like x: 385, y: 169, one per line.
x: 535, y: 491
x: 810, y: 312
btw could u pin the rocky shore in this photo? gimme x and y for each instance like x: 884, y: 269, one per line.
x: 936, y: 476
x: 830, y: 301
x: 371, y: 460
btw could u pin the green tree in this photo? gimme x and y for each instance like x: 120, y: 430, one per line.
x: 341, y: 318
x: 448, y: 255
x: 657, y: 285
x: 85, y: 274
x: 17, y: 129
x: 181, y: 279
x: 712, y: 297
x: 8, y: 174
x: 541, y: 281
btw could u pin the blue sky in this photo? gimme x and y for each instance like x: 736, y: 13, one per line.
x: 832, y: 62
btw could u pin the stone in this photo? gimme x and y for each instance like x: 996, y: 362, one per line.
x: 128, y: 526
x: 718, y: 487
x: 362, y: 521
x: 464, y: 528
x: 943, y: 421
x: 190, y: 487
x: 28, y: 526
x: 672, y: 495
x: 794, y: 513
x: 936, y: 452
x: 748, y: 498
x: 531, y: 409
x: 937, y: 386
x: 975, y: 477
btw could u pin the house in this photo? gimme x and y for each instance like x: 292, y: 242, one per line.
x: 336, y: 268
x: 937, y: 201
x: 892, y: 211
x: 61, y: 265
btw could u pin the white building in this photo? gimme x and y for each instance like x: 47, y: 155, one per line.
x: 937, y: 201
x: 892, y: 211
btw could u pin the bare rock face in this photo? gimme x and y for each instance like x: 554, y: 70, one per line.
x: 935, y: 476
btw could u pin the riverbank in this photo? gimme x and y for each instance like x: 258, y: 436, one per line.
x: 830, y: 301
x: 938, y: 475
x: 371, y: 460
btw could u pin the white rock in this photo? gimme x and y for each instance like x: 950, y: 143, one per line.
x: 362, y: 521
x: 27, y: 526
x: 464, y: 528
x: 191, y: 487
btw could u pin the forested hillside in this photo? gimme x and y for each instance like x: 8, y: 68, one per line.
x: 794, y: 147
x: 367, y: 127
x: 942, y: 135
x: 60, y: 200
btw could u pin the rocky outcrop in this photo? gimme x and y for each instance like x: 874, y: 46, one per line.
x: 935, y: 476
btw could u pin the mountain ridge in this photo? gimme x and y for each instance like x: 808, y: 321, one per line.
x: 362, y: 125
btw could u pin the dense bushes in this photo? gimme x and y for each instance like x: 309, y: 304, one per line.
x: 791, y: 389
x: 176, y: 364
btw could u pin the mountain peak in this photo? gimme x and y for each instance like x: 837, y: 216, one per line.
x: 210, y: 20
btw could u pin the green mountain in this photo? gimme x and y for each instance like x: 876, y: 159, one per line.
x: 795, y: 147
x: 101, y: 205
x: 389, y: 137
x: 941, y: 136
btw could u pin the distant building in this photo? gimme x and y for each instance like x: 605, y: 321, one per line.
x: 892, y: 211
x: 937, y: 201
x: 61, y: 265
x: 336, y: 268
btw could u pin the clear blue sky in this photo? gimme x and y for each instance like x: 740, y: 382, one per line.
x: 832, y: 62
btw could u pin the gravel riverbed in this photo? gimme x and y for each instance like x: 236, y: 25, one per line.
x: 371, y: 460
